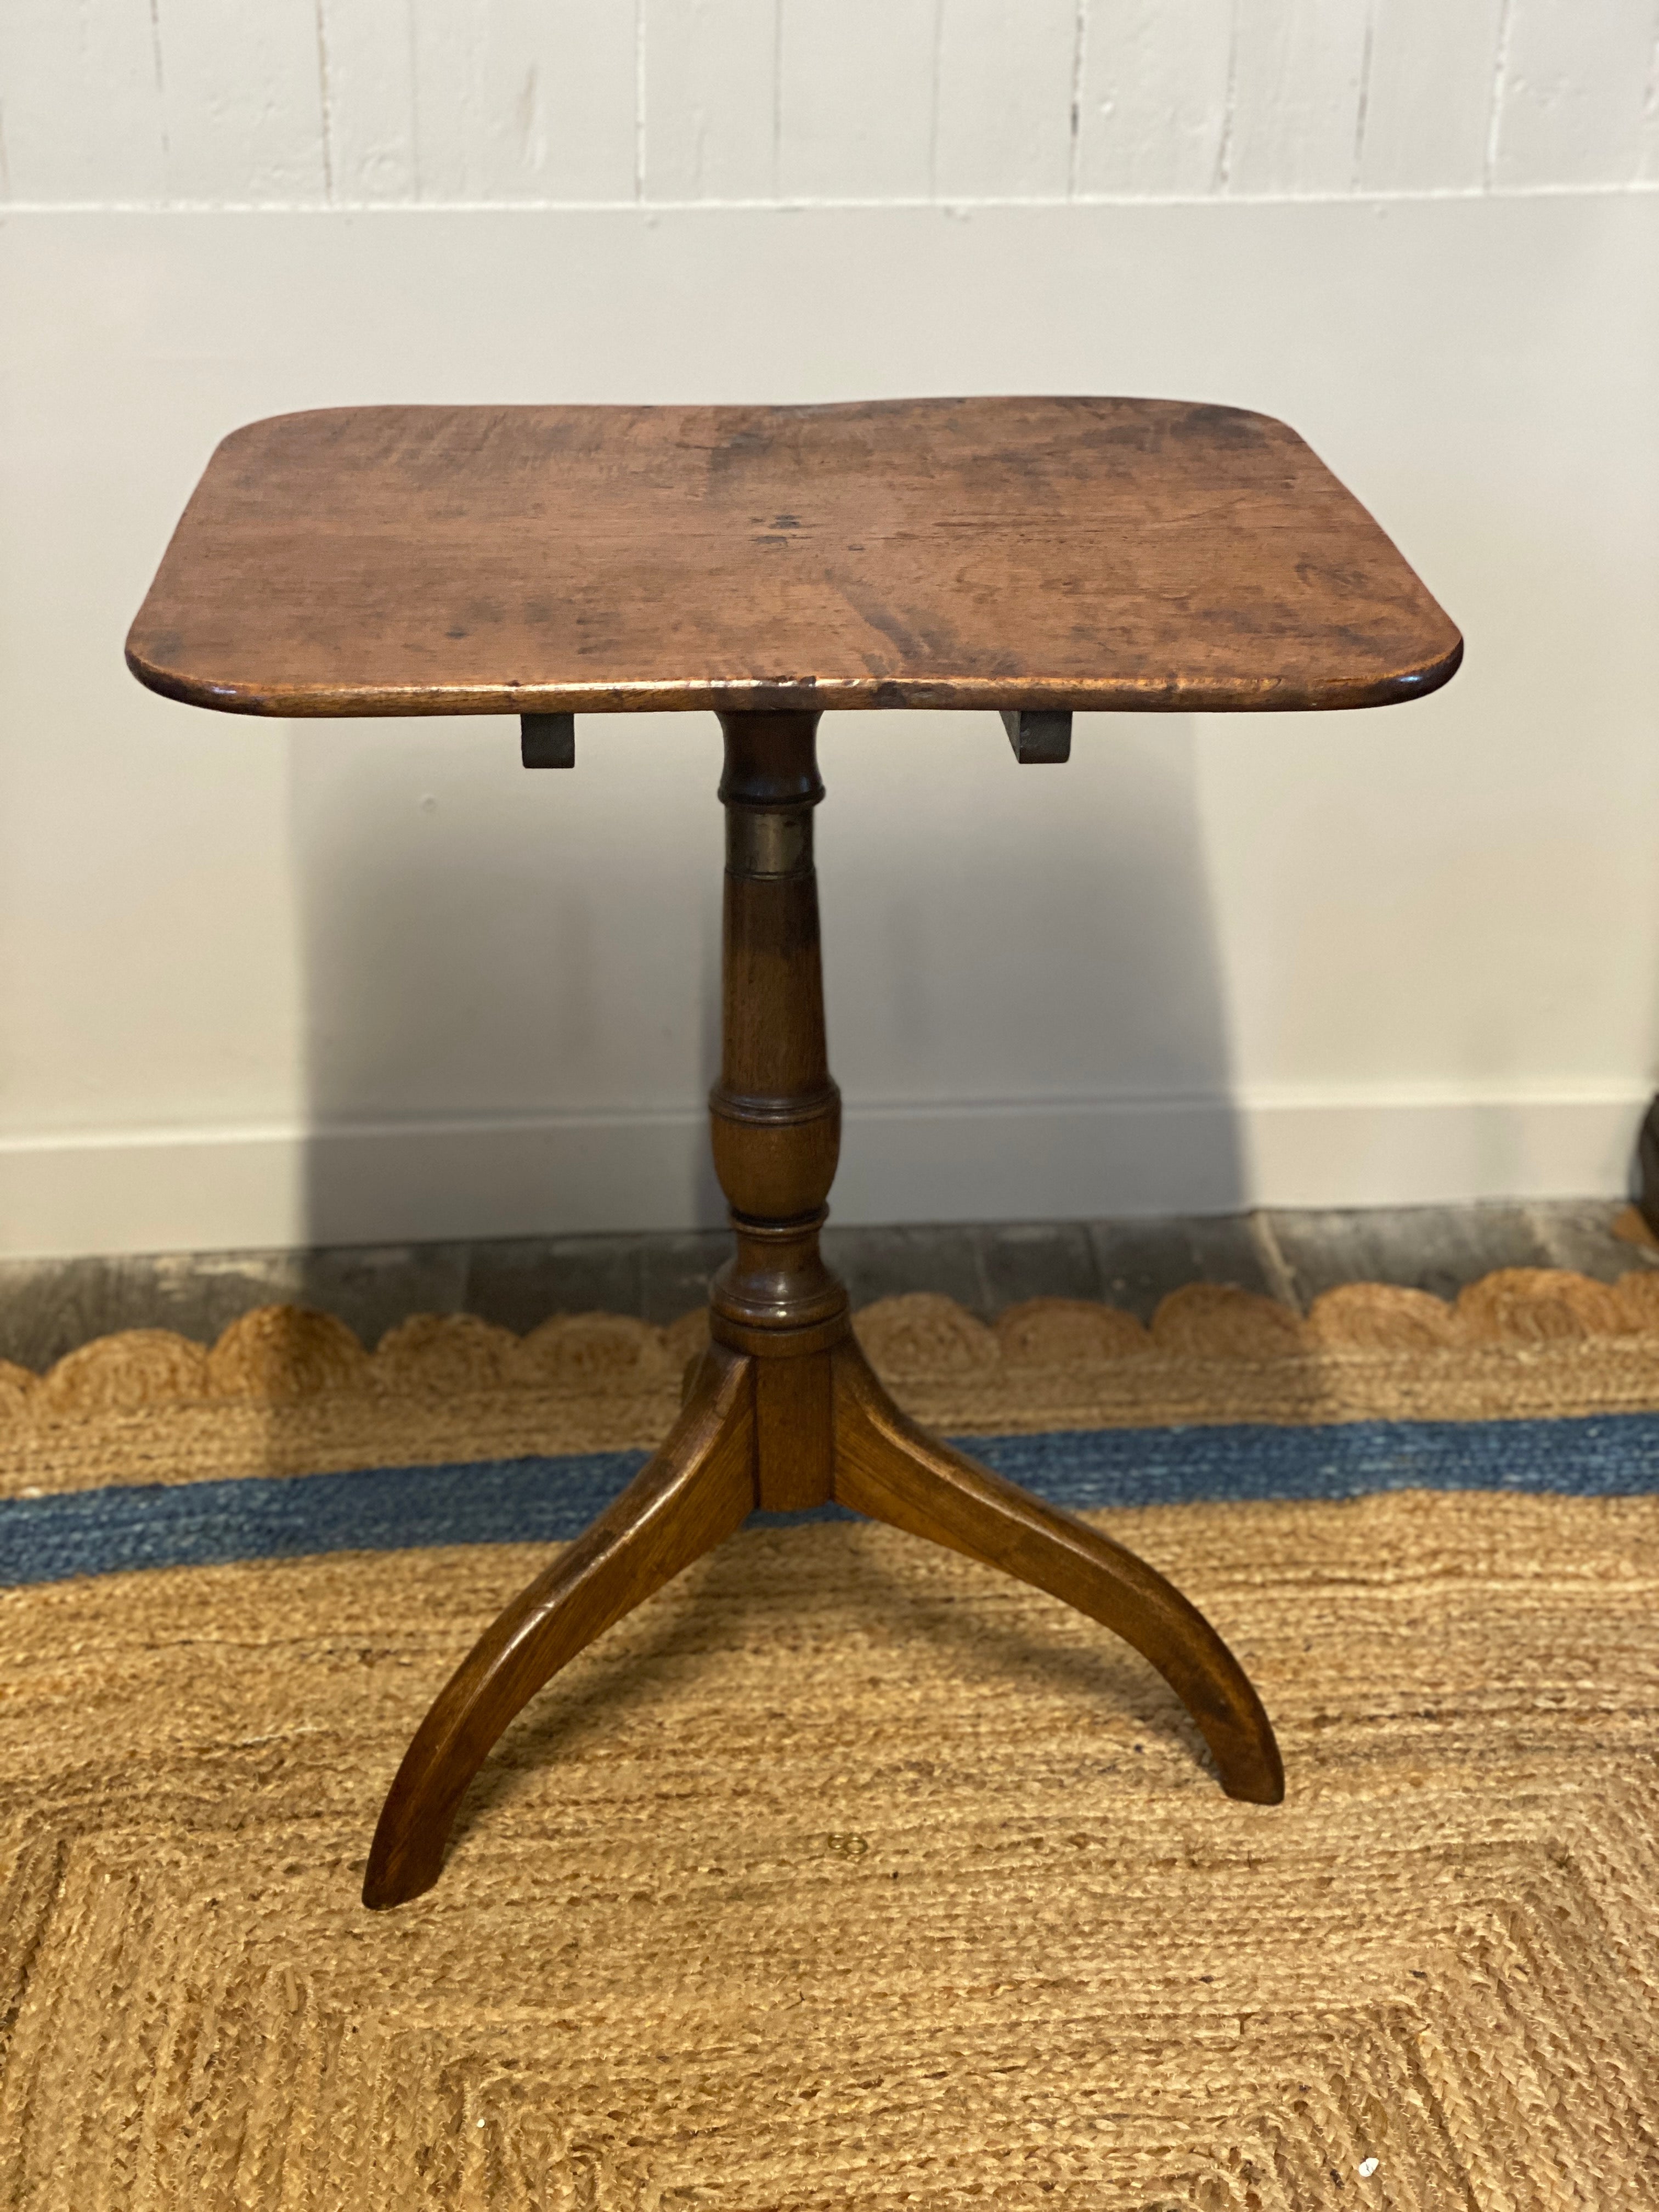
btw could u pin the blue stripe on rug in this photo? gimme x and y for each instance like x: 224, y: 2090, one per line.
x: 546, y: 1501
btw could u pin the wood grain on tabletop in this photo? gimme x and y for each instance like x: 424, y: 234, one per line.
x: 1068, y: 553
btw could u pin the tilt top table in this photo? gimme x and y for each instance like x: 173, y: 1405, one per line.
x: 1037, y: 556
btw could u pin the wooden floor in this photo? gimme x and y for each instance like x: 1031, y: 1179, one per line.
x: 47, y: 1307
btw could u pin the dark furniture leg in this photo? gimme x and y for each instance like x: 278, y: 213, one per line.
x: 889, y: 1468
x: 1647, y: 1167
x: 696, y: 1490
x: 784, y: 1413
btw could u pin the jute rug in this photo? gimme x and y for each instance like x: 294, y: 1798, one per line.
x: 844, y: 1874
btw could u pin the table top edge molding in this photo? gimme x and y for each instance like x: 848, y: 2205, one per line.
x: 1171, y: 695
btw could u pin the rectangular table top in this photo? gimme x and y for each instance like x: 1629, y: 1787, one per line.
x: 1038, y: 553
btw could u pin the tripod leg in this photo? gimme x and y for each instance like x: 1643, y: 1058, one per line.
x: 697, y: 1489
x: 889, y: 1468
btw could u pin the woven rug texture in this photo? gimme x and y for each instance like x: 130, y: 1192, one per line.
x: 845, y: 1872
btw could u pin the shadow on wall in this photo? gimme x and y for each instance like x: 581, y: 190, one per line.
x: 1023, y: 983
x: 507, y: 977
x: 512, y: 977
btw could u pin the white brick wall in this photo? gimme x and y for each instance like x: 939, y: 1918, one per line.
x: 596, y: 103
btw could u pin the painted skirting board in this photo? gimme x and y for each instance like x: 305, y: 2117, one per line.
x: 206, y: 1190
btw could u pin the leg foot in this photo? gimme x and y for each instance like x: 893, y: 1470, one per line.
x: 698, y: 1488
x: 889, y: 1468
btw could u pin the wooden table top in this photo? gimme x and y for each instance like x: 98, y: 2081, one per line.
x: 1036, y: 553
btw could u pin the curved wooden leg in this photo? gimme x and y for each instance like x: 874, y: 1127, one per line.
x: 697, y: 1489
x: 889, y: 1468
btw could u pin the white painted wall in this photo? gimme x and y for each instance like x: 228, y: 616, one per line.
x: 264, y: 982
